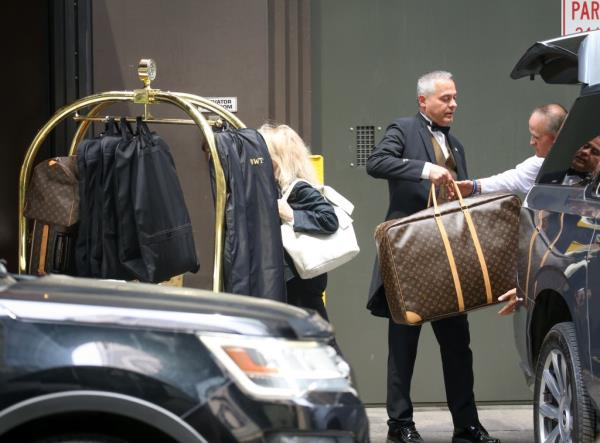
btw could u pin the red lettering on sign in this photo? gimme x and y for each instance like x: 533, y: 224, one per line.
x: 575, y: 6
x: 595, y: 6
x: 585, y: 13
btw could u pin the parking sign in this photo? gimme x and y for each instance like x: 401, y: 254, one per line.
x: 580, y: 16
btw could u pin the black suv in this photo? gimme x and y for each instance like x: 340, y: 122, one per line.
x: 84, y: 360
x: 557, y: 327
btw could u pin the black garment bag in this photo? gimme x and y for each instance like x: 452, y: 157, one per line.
x: 88, y: 249
x: 128, y: 246
x: 236, y: 249
x: 110, y: 266
x: 155, y: 232
x: 252, y: 252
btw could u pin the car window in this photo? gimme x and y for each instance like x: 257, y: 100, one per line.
x: 574, y: 160
x: 580, y: 168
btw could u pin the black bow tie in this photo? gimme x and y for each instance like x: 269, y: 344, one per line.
x: 435, y: 127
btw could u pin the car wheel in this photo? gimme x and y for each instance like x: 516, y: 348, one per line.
x: 562, y: 408
x: 81, y: 438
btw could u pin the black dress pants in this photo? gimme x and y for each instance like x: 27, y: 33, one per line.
x: 453, y: 337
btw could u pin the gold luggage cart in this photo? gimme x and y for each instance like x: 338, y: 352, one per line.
x: 95, y: 104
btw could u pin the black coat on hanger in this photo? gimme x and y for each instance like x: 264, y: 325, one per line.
x: 252, y: 252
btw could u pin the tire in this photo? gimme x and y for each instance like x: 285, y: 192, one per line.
x: 81, y: 438
x: 562, y: 409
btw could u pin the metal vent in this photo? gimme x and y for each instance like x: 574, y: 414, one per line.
x: 365, y: 140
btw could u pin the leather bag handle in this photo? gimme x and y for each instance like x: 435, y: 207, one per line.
x: 450, y: 255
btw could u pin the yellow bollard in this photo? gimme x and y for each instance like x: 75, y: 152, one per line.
x: 318, y: 163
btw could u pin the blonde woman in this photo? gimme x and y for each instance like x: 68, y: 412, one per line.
x: 305, y: 208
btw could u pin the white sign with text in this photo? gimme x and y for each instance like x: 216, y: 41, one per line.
x: 580, y: 16
x: 229, y: 103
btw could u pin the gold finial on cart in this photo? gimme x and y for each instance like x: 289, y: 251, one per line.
x: 147, y: 71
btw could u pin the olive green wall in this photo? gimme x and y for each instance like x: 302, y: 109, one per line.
x: 367, y: 55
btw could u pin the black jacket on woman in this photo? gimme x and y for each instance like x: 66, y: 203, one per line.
x: 312, y: 214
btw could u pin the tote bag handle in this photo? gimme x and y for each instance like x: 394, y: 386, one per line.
x: 290, y: 187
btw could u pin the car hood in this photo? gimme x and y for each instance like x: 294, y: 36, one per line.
x: 80, y: 300
x: 571, y: 59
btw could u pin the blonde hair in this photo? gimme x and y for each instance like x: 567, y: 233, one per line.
x: 290, y: 154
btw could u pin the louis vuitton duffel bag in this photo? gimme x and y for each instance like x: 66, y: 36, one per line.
x: 449, y: 258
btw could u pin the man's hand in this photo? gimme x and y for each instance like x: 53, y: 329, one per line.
x: 512, y: 302
x: 439, y: 175
x: 465, y: 187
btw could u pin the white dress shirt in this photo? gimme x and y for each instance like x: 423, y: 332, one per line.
x: 441, y: 139
x: 519, y: 179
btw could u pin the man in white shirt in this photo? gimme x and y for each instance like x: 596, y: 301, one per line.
x: 544, y: 124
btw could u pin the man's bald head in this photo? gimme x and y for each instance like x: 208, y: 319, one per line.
x: 544, y: 123
x: 554, y: 115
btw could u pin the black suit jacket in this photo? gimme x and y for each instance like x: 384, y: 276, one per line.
x: 399, y: 158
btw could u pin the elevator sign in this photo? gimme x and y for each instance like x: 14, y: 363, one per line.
x: 229, y: 103
x: 580, y: 16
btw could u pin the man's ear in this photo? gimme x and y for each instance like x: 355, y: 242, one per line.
x: 421, y: 100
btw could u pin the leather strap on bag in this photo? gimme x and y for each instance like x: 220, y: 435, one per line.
x: 43, y: 250
x: 476, y: 244
x: 449, y: 254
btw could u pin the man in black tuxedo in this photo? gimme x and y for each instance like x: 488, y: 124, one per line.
x: 415, y: 152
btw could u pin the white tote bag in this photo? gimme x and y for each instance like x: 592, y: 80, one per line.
x: 315, y: 254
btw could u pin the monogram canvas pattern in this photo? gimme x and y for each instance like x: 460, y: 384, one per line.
x: 53, y: 195
x: 500, y: 243
x: 415, y: 268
